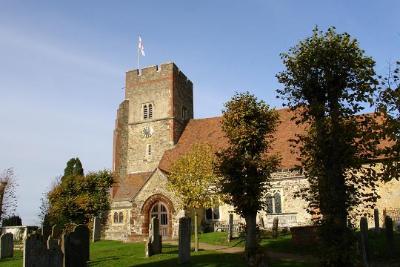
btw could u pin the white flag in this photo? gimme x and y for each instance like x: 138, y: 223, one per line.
x: 141, y: 46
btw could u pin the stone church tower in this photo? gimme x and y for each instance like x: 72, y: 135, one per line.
x: 158, y: 104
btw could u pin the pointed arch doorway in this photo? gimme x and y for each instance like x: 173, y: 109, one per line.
x: 160, y: 211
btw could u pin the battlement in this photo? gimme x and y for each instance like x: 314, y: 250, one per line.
x: 156, y: 72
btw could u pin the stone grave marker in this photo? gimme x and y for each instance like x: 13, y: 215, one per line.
x: 364, y: 241
x: 75, y: 246
x: 389, y: 234
x: 36, y: 254
x: 52, y: 243
x: 376, y: 219
x: 184, y: 239
x: 56, y: 231
x: 6, y: 246
x: 154, y: 242
x: 275, y: 224
x: 46, y: 230
x: 96, y: 229
x: 230, y: 227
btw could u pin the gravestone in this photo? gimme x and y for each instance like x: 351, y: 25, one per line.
x: 6, y: 246
x: 96, y: 229
x: 389, y: 234
x: 364, y: 240
x: 154, y: 242
x: 230, y: 227
x: 184, y: 239
x: 46, y: 230
x: 262, y: 224
x: 36, y: 254
x: 75, y: 246
x: 56, y: 231
x: 275, y: 224
x: 52, y: 243
x: 376, y: 219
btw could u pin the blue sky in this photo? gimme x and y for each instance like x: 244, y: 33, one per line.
x: 62, y: 66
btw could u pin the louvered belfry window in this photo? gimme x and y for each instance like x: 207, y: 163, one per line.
x: 145, y: 112
x: 150, y: 111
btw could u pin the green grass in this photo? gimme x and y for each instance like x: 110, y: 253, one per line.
x: 16, y: 261
x: 115, y: 253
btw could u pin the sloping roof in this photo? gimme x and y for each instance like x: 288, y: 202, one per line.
x: 209, y: 131
x: 130, y: 186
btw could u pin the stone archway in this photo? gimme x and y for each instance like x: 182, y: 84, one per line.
x: 146, y: 210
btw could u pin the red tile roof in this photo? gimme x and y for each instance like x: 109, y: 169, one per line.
x: 208, y: 131
x: 130, y: 186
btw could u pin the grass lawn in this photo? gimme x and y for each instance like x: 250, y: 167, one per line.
x: 115, y: 253
x: 281, y: 244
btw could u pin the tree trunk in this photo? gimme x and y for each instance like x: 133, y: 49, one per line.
x: 251, y: 234
x: 196, y: 238
x: 2, y: 189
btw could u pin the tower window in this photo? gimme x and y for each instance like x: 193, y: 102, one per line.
x: 148, y: 150
x: 150, y: 111
x: 184, y: 113
x: 147, y: 111
x: 145, y: 114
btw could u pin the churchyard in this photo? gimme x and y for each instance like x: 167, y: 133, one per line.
x: 66, y: 247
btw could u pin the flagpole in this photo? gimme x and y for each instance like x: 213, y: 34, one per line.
x: 138, y: 56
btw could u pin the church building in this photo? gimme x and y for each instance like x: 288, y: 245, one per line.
x: 155, y: 125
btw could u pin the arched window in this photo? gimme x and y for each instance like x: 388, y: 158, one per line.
x: 145, y: 114
x: 274, y: 204
x: 115, y: 217
x: 212, y: 214
x: 278, y: 203
x: 121, y: 217
x: 150, y: 111
x: 270, y: 205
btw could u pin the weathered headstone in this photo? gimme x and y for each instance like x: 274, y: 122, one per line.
x: 56, y: 231
x: 364, y: 240
x: 75, y: 246
x: 184, y: 239
x: 389, y: 234
x: 36, y: 254
x: 376, y: 219
x: 6, y: 246
x: 230, y: 227
x: 96, y: 229
x: 52, y: 243
x: 275, y: 224
x: 262, y: 224
x: 46, y: 230
x: 154, y: 242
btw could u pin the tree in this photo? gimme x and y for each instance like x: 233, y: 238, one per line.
x: 8, y: 199
x: 328, y: 81
x: 13, y: 220
x: 74, y: 168
x: 77, y: 198
x: 192, y: 178
x: 245, y: 166
x: 389, y: 105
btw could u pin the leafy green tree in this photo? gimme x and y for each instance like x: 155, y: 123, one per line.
x: 74, y: 168
x: 77, y: 198
x: 390, y: 106
x: 192, y: 178
x: 13, y: 220
x: 8, y: 199
x: 246, y: 165
x: 328, y: 81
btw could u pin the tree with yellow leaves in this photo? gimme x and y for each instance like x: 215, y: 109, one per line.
x: 192, y: 178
